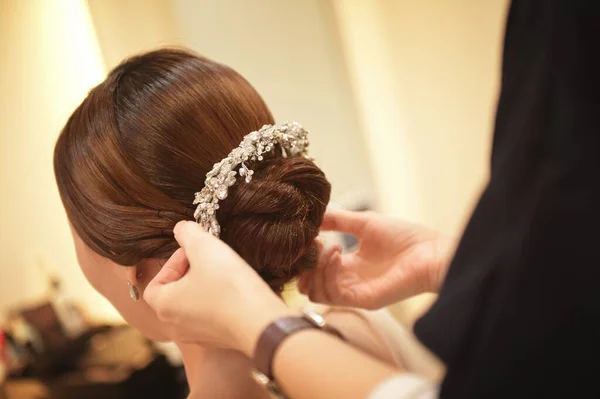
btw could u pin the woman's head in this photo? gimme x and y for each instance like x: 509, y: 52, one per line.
x: 132, y: 155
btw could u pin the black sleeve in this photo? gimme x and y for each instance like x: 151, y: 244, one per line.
x: 519, y: 312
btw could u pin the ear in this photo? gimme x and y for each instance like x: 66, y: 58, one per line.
x: 131, y: 273
x: 142, y: 273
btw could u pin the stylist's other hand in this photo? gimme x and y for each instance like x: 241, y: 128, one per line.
x: 394, y: 261
x: 209, y: 295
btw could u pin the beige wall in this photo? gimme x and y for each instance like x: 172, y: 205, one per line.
x: 399, y: 94
x: 289, y: 51
x: 60, y: 49
x: 425, y: 76
x: 446, y: 56
x: 126, y: 27
x: 50, y: 60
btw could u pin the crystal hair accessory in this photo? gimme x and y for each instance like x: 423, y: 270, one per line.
x: 289, y: 138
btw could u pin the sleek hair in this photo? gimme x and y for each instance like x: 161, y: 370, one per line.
x: 132, y: 155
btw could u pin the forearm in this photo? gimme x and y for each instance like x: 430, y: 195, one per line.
x: 313, y: 364
x: 316, y: 365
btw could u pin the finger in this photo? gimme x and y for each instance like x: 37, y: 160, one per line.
x: 319, y: 244
x: 192, y: 237
x: 345, y: 221
x: 173, y: 270
x: 305, y: 280
x: 332, y: 277
x: 317, y: 291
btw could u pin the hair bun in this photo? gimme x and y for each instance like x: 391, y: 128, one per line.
x: 273, y: 221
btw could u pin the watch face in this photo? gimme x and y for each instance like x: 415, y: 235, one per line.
x: 314, y: 318
x: 266, y: 383
x: 259, y: 377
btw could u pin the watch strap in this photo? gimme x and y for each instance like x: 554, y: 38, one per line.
x: 272, y: 337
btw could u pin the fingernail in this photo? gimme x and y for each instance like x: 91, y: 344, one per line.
x: 179, y: 226
x: 319, y: 244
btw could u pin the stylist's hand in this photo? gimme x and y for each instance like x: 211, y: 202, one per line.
x: 394, y: 261
x: 207, y: 294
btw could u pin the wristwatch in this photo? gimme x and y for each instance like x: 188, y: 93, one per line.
x: 272, y: 337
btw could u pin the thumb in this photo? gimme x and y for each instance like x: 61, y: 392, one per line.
x: 173, y: 270
x: 192, y: 238
x: 345, y: 221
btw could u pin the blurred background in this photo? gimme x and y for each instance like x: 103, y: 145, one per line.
x: 399, y: 97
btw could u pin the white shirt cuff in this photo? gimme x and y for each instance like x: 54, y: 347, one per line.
x: 405, y: 386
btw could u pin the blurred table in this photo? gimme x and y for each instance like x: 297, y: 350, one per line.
x: 24, y: 389
x: 118, y: 363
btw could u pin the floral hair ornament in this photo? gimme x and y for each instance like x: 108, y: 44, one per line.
x: 290, y: 138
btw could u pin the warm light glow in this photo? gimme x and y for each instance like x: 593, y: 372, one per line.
x: 425, y: 76
x: 371, y: 72
x: 54, y: 61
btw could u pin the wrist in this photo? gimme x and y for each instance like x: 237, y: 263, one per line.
x: 256, y: 321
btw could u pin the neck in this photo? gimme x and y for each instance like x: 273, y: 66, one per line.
x: 218, y: 373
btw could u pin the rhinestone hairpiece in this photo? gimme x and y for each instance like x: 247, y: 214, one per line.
x: 290, y: 138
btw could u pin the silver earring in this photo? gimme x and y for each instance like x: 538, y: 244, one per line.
x: 134, y: 294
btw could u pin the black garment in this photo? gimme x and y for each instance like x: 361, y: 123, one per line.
x: 519, y: 313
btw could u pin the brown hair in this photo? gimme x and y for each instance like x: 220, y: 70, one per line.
x: 132, y: 155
